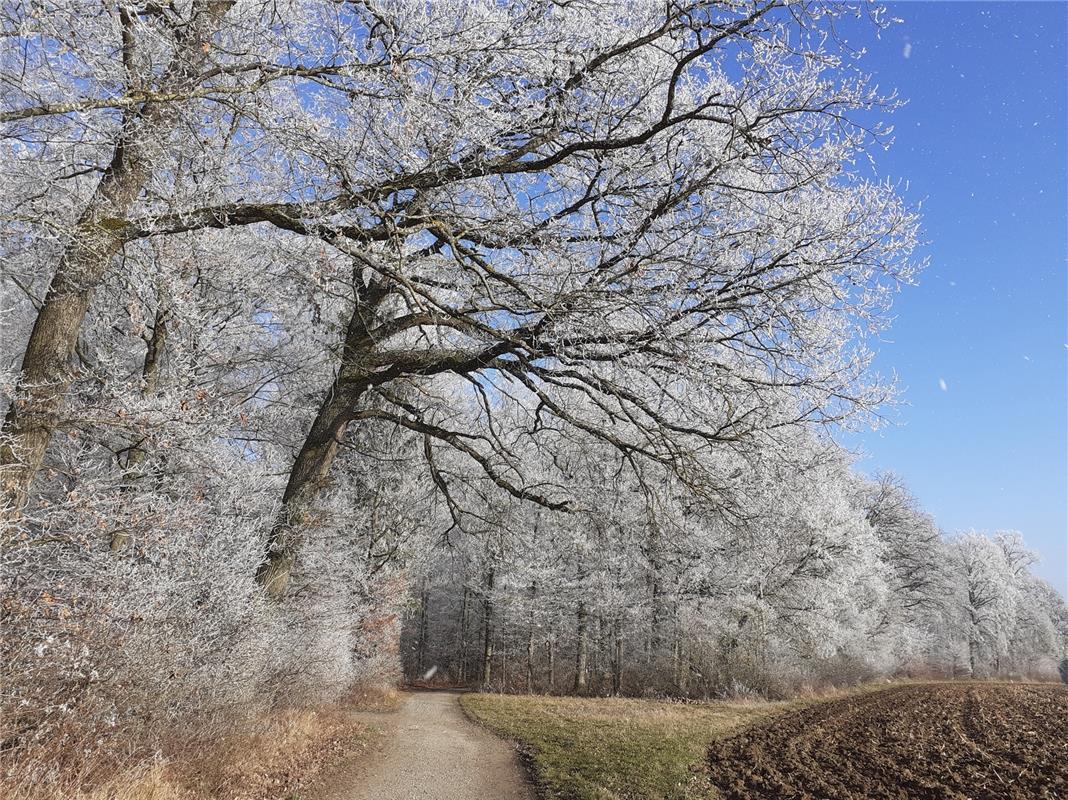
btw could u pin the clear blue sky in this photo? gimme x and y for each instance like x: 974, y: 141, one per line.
x: 982, y: 144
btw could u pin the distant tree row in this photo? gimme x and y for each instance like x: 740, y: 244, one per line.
x: 797, y: 572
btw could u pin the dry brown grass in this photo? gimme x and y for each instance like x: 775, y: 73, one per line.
x: 269, y: 755
x: 378, y: 697
x: 152, y: 782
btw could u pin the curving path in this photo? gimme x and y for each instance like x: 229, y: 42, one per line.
x: 433, y: 752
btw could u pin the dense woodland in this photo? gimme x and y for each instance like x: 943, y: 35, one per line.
x: 498, y: 343
x: 812, y: 576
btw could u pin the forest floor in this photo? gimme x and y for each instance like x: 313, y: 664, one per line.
x: 908, y: 741
x: 429, y: 751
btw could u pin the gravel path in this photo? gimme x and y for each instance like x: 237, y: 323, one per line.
x: 433, y: 752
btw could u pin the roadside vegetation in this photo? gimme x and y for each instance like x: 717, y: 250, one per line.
x: 286, y: 753
x: 274, y: 756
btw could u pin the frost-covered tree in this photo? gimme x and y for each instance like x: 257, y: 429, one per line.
x: 910, y: 540
x: 520, y: 321
x: 652, y: 206
x: 988, y: 597
x: 1010, y: 621
x: 790, y: 570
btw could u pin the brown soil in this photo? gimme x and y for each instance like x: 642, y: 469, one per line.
x: 922, y: 742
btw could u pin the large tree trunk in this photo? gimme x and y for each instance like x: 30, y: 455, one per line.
x: 311, y: 469
x: 46, y: 372
x: 309, y: 474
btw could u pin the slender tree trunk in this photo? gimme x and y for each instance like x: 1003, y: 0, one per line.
x: 617, y: 655
x: 505, y: 665
x: 597, y: 655
x: 157, y: 345
x: 530, y: 638
x: 424, y: 602
x: 487, y: 632
x: 656, y: 591
x: 530, y: 662
x: 46, y: 373
x: 463, y: 637
x: 679, y: 655
x: 973, y: 639
x: 550, y: 657
x: 582, y: 653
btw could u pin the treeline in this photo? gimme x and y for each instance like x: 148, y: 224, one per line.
x: 521, y: 318
x: 802, y: 574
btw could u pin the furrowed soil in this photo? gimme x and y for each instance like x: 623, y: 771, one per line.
x: 919, y: 742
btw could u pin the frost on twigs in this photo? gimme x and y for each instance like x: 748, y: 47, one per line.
x: 414, y: 300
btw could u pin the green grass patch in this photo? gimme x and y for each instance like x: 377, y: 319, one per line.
x: 614, y: 748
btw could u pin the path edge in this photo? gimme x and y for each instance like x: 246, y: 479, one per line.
x: 525, y: 753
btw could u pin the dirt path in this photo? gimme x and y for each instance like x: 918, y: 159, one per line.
x: 432, y: 751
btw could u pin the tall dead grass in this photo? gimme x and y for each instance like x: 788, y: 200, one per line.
x: 269, y: 754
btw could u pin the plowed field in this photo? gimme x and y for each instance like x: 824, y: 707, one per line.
x: 921, y: 742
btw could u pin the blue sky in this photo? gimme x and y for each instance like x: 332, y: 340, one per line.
x: 982, y: 145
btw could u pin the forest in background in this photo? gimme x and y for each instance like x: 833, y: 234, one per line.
x: 817, y: 577
x: 500, y: 344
